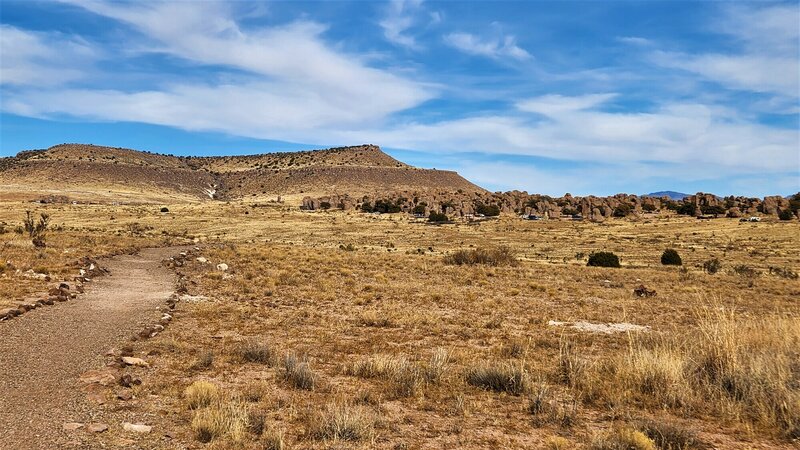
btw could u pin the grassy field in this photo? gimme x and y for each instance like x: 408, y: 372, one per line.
x: 357, y: 331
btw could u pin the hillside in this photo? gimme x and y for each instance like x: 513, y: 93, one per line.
x: 89, y: 172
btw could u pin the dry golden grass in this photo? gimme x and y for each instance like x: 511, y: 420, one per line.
x: 405, y: 350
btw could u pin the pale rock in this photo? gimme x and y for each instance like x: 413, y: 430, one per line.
x: 132, y: 361
x: 72, y: 426
x: 201, y: 260
x: 97, y: 427
x: 222, y: 267
x: 136, y: 427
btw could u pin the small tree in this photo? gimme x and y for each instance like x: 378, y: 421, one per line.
x: 670, y: 257
x: 603, y: 259
x: 37, y: 230
x: 786, y: 214
x: 687, y: 209
x: 437, y: 217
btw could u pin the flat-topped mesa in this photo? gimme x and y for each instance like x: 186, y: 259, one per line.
x: 357, y: 170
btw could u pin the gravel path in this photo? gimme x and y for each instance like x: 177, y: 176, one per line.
x: 43, y: 352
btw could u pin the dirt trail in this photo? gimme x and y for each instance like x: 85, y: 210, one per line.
x: 43, y: 352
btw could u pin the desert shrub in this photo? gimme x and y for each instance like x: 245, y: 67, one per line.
x: 348, y: 248
x: 712, y: 266
x: 37, y: 230
x: 623, y: 438
x: 670, y: 257
x: 256, y: 420
x: 499, y: 377
x: 200, y: 394
x: 744, y: 270
x: 342, y: 422
x: 407, y: 378
x: 164, y: 209
x: 367, y: 207
x: 273, y: 440
x: 254, y: 351
x: 420, y: 209
x: 558, y: 443
x: 783, y: 272
x: 487, y: 210
x: 669, y: 435
x: 786, y: 214
x: 437, y: 217
x: 603, y: 259
x: 386, y: 207
x: 298, y: 373
x: 500, y: 256
x: 649, y: 207
x: 325, y: 205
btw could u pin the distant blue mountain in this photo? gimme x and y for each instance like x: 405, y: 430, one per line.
x: 671, y: 194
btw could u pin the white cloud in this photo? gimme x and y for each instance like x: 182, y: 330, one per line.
x: 401, y: 15
x: 554, y: 104
x: 41, y: 59
x: 769, y: 58
x: 301, y: 80
x: 504, y: 47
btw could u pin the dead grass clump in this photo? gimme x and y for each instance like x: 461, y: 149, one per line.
x: 406, y: 377
x: 221, y: 419
x: 204, y: 361
x: 500, y: 256
x: 437, y: 365
x: 669, y: 435
x: 375, y: 319
x: 201, y: 394
x: 342, y: 422
x: 623, y: 438
x: 546, y: 408
x: 274, y: 439
x: 255, y: 352
x: 298, y: 373
x: 254, y: 392
x: 571, y: 365
x: 558, y: 443
x: 500, y: 377
x: 730, y: 367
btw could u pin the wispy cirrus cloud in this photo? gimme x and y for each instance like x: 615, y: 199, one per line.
x: 503, y: 47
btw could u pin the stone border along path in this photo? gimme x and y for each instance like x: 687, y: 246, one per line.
x: 49, y: 353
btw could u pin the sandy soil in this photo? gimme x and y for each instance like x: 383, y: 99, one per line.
x: 43, y: 352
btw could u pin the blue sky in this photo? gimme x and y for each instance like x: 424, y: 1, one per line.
x: 549, y: 97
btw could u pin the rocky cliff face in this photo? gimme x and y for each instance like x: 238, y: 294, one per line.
x: 463, y: 203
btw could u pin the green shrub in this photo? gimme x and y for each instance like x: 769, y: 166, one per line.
x: 786, y: 214
x: 603, y: 259
x: 487, y: 210
x: 622, y: 210
x: 569, y: 211
x: 687, y: 209
x: 419, y: 209
x: 670, y: 257
x: 437, y: 217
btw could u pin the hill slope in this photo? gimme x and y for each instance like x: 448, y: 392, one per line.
x: 80, y: 171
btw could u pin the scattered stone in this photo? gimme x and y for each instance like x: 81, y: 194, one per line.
x: 222, y: 267
x: 103, y: 377
x: 131, y: 361
x: 127, y: 380
x: 113, y: 352
x: 9, y: 312
x: 124, y: 395
x: 95, y: 393
x: 72, y: 426
x: 136, y: 427
x: 126, y: 351
x: 97, y: 427
x: 201, y: 260
x: 642, y: 291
